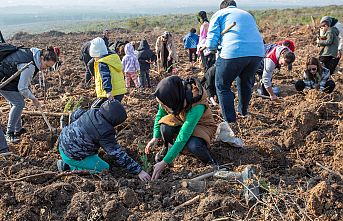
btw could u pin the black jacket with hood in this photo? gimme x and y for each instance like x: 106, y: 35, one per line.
x: 145, y: 54
x: 94, y: 129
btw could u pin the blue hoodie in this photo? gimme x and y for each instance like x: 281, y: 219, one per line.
x: 243, y: 40
x: 191, y: 40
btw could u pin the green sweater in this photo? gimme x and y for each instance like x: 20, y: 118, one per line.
x: 192, y: 118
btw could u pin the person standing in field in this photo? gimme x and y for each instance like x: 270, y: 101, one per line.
x: 241, y: 53
x: 166, y: 52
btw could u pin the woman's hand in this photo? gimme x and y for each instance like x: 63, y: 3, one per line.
x: 144, y: 176
x: 158, y: 169
x: 153, y: 142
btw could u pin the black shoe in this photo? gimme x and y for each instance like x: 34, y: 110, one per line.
x: 62, y: 166
x: 20, y: 132
x: 12, y: 138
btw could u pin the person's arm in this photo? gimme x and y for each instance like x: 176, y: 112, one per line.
x: 268, y: 69
x: 137, y: 66
x: 114, y: 150
x: 105, y: 77
x: 325, y: 77
x: 328, y: 41
x: 157, y: 46
x: 192, y: 118
x: 25, y: 81
x: 213, y: 34
x: 91, y: 67
x: 161, y: 113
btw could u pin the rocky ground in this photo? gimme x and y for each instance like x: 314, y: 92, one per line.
x: 286, y: 141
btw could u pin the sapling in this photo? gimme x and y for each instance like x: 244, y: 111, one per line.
x: 146, y: 165
x: 68, y: 105
x: 78, y: 103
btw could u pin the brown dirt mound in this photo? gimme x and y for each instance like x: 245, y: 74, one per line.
x: 285, y: 140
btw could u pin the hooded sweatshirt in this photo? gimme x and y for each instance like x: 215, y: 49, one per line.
x: 145, y: 54
x: 22, y: 57
x: 329, y: 41
x: 130, y: 61
x: 94, y: 129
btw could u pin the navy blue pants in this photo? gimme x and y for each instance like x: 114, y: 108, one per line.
x: 243, y: 71
x: 195, y: 145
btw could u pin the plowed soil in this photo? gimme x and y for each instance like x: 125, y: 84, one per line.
x: 285, y: 140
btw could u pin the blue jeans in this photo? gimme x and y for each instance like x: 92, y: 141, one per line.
x: 144, y: 76
x: 3, y: 143
x: 17, y: 103
x: 92, y: 163
x: 243, y: 71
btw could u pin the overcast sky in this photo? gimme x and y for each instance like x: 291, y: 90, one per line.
x: 140, y: 4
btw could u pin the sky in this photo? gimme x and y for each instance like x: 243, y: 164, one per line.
x: 144, y: 4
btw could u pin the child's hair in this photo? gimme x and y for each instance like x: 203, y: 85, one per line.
x: 313, y: 61
x: 49, y: 54
x: 202, y: 17
x: 288, y: 56
x: 193, y: 30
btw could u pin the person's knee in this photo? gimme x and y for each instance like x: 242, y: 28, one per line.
x: 329, y: 86
x: 195, y: 144
x: 167, y: 131
x: 19, y: 104
x: 300, y: 85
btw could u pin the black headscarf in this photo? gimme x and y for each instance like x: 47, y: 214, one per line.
x: 171, y: 92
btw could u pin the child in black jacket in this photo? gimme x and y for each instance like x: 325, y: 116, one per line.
x: 80, y: 141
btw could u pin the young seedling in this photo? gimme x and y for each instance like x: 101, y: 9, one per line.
x: 68, y: 105
x: 146, y: 165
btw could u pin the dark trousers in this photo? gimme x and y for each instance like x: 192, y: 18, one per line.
x: 329, y: 86
x: 192, y: 52
x: 243, y: 71
x: 330, y: 63
x: 195, y: 145
x: 144, y: 78
x: 167, y: 64
x: 259, y: 73
x: 88, y: 74
x: 208, y: 82
x: 99, y: 101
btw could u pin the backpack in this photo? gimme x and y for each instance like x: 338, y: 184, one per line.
x: 7, y: 49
